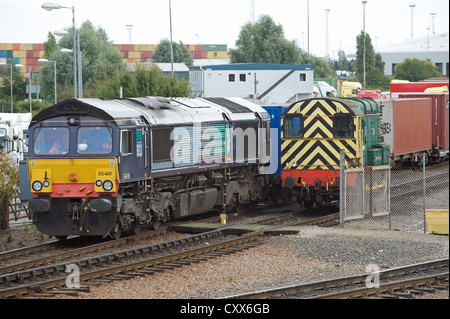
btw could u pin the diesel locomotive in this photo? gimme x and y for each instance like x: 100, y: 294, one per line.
x: 313, y: 131
x: 99, y: 167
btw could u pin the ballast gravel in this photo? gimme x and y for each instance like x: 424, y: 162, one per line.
x: 313, y: 254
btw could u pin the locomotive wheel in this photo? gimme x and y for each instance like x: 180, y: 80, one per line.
x: 136, y: 228
x: 156, y: 223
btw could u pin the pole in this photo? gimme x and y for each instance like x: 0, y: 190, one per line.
x: 12, y: 110
x: 74, y: 56
x: 29, y: 91
x: 80, y: 69
x: 364, y: 45
x: 341, y: 188
x: 56, y: 96
x: 424, y: 194
x: 171, y: 43
x: 307, y: 22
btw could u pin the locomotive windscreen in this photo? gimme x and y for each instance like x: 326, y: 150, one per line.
x: 230, y: 105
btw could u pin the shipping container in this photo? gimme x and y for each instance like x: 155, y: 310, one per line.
x: 275, y: 113
x: 2, y: 53
x: 134, y: 55
x: 16, y: 46
x: 440, y: 120
x: 406, y: 126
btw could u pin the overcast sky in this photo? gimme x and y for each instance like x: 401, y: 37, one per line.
x: 220, y: 21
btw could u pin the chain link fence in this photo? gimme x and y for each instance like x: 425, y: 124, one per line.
x: 407, y: 200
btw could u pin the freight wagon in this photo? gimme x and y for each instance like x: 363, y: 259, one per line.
x: 406, y: 127
x: 440, y: 123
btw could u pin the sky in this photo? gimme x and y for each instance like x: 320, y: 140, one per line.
x: 220, y: 21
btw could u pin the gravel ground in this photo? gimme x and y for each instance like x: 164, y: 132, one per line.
x: 313, y: 254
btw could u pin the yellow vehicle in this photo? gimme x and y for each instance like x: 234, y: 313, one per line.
x: 350, y: 89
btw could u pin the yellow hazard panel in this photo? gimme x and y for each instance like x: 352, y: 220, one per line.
x: 41, y: 181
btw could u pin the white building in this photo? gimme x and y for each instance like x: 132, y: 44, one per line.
x: 434, y: 47
x: 270, y: 83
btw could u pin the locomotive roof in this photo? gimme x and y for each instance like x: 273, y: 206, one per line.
x: 156, y: 110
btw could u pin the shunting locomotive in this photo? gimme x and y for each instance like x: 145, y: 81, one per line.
x: 313, y: 131
x: 103, y: 167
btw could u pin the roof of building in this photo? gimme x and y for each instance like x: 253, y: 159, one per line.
x: 258, y: 66
x: 436, y: 43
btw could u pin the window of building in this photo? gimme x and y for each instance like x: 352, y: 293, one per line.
x: 231, y: 77
x: 302, y: 77
x: 242, y: 77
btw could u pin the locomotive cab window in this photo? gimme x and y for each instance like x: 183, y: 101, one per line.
x: 293, y: 126
x: 126, y: 142
x: 51, y: 141
x: 94, y: 140
x: 343, y: 125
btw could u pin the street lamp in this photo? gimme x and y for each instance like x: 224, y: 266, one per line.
x: 29, y: 81
x: 11, y: 80
x: 171, y: 43
x: 364, y: 45
x: 45, y: 61
x: 80, y: 79
x: 49, y: 7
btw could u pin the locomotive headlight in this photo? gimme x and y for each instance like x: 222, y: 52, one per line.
x: 37, y: 186
x: 46, y: 183
x: 98, y: 183
x: 108, y: 185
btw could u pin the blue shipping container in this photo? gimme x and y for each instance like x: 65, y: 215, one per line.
x: 275, y: 113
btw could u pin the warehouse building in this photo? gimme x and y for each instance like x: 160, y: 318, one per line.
x: 434, y: 47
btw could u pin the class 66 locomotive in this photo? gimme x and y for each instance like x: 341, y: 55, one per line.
x: 314, y: 131
x: 99, y: 167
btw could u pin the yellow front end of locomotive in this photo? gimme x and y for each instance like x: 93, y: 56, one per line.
x: 73, y: 177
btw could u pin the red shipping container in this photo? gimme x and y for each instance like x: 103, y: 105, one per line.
x: 38, y: 47
x: 439, y: 113
x: 16, y: 46
x: 406, y: 125
x: 198, y: 47
x: 204, y: 54
x: 29, y: 54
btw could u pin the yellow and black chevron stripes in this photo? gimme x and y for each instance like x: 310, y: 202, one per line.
x: 315, y: 154
x: 318, y: 147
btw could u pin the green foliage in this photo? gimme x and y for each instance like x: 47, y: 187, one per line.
x: 375, y: 78
x: 144, y: 82
x: 100, y: 62
x: 19, y: 85
x: 181, y: 54
x: 264, y: 42
x: 415, y: 70
x: 9, y: 176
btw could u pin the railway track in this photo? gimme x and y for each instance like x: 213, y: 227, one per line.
x: 398, y: 282
x: 131, y: 262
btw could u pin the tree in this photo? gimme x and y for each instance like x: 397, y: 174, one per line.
x: 416, y: 70
x: 264, y: 42
x: 144, y: 82
x: 342, y: 62
x: 8, y: 180
x: 181, y: 54
x: 375, y: 77
x: 100, y: 61
x: 19, y: 85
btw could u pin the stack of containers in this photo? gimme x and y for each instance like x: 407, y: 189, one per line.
x: 26, y: 54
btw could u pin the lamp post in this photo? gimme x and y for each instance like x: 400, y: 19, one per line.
x: 50, y: 6
x: 80, y: 80
x: 29, y: 81
x: 54, y: 64
x: 364, y: 44
x: 11, y: 80
x: 171, y: 43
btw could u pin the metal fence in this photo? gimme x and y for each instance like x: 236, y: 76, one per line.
x: 407, y: 200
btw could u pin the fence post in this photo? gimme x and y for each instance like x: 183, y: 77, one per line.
x: 424, y: 194
x: 4, y: 213
x: 341, y: 188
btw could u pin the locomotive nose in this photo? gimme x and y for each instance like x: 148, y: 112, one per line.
x: 289, y: 182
